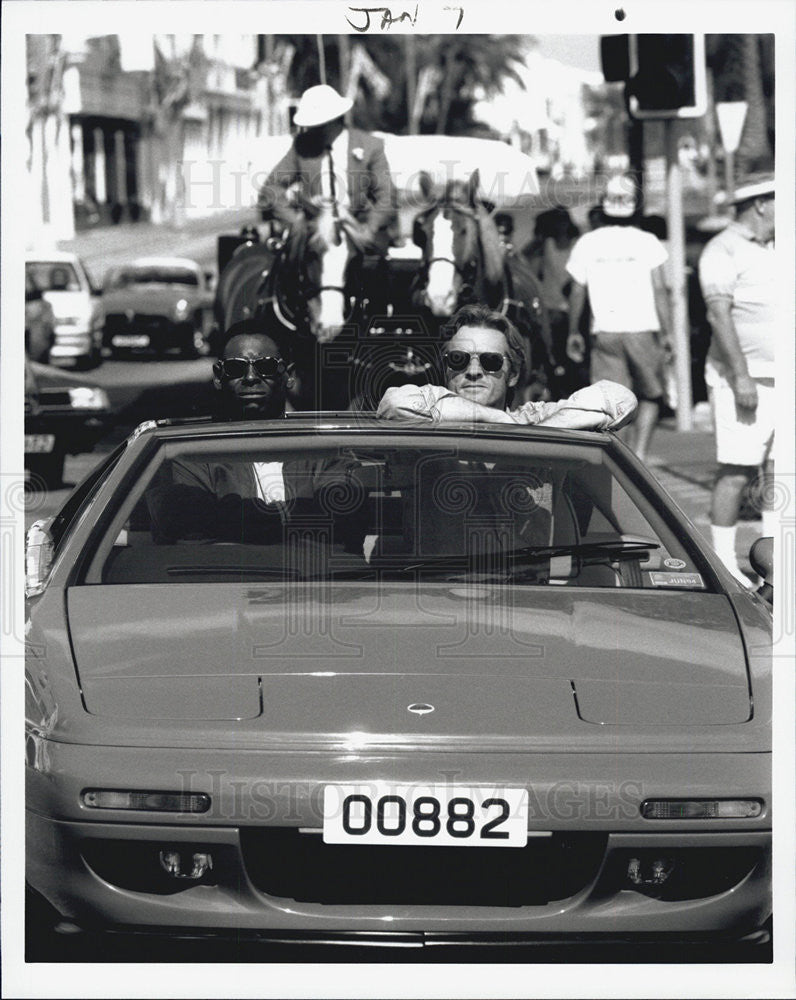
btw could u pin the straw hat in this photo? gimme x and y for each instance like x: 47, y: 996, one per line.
x: 319, y: 105
x: 754, y: 186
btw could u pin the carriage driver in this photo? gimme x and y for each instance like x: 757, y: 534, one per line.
x: 331, y: 161
x: 484, y: 361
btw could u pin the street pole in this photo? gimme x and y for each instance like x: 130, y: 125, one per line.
x: 321, y: 58
x: 410, y: 54
x: 731, y: 116
x: 679, y: 307
x: 344, y: 50
x: 729, y: 175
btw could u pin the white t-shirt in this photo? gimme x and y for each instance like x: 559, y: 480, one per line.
x: 736, y: 268
x: 615, y: 263
x: 270, y: 481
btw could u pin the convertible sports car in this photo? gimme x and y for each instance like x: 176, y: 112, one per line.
x: 335, y: 678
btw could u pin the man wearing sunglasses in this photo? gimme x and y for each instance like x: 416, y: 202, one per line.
x: 251, y: 378
x: 483, y: 362
x: 244, y: 501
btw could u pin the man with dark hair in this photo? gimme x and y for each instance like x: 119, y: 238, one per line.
x: 484, y: 361
x: 253, y: 375
x: 737, y: 273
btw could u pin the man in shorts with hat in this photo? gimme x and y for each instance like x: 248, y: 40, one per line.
x: 737, y: 274
x: 331, y: 161
x: 621, y: 269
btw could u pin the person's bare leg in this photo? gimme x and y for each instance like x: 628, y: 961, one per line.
x: 646, y: 419
x: 725, y: 504
x: 727, y: 492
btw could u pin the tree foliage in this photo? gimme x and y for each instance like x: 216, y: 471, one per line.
x: 462, y: 68
x: 743, y: 70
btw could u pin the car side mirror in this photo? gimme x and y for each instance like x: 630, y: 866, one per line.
x: 761, y: 556
x: 39, y: 552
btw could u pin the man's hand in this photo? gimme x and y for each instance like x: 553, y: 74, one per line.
x: 745, y: 391
x: 576, y: 348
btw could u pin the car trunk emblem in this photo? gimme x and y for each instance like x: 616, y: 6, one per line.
x: 420, y: 708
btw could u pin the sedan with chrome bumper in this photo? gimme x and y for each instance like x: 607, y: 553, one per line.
x: 335, y: 678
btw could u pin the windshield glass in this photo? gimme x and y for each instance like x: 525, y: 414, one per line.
x: 151, y: 276
x: 54, y: 276
x: 532, y: 514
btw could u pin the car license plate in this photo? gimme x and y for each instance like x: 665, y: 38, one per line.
x: 433, y: 815
x: 39, y: 444
x: 130, y: 340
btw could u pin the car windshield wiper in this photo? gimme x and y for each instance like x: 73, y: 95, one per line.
x: 232, y: 571
x: 621, y: 548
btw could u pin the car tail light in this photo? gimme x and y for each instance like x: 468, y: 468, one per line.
x: 179, y: 802
x: 701, y: 808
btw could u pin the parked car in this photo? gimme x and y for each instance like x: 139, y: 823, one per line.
x: 61, y: 418
x: 424, y: 684
x: 39, y: 322
x: 157, y: 303
x: 74, y: 297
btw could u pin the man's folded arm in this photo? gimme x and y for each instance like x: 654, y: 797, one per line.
x: 602, y: 406
x: 436, y: 403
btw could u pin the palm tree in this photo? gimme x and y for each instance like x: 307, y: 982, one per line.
x: 742, y: 68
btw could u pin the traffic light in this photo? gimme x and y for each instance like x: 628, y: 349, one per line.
x: 664, y: 74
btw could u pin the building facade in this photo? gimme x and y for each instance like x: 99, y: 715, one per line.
x: 113, y: 124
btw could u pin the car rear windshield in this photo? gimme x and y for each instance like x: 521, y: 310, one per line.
x: 54, y: 276
x: 151, y: 276
x: 532, y: 513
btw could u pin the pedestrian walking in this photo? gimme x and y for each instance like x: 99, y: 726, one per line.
x: 737, y: 275
x: 621, y: 269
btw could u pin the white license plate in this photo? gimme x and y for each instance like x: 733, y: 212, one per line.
x: 39, y: 444
x: 431, y: 815
x: 130, y: 340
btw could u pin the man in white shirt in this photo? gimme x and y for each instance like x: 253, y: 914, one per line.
x: 483, y: 362
x: 738, y: 274
x: 621, y: 269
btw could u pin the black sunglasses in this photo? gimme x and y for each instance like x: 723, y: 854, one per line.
x: 266, y: 367
x: 459, y: 361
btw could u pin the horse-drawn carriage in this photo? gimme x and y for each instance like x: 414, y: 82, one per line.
x: 357, y: 323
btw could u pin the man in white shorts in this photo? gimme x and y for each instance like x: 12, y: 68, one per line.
x: 737, y: 275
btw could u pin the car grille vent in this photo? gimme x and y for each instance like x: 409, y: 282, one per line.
x: 283, y: 862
